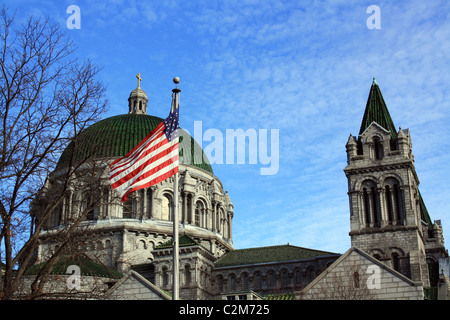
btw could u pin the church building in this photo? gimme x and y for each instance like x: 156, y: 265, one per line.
x: 390, y: 226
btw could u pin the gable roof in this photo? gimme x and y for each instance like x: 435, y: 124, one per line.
x: 375, y: 124
x: 377, y: 111
x: 415, y: 288
x: 269, y: 254
x: 147, y: 290
x: 366, y: 256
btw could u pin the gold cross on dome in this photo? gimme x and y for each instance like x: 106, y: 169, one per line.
x: 138, y: 76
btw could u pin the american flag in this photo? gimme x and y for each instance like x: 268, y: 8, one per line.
x: 153, y: 160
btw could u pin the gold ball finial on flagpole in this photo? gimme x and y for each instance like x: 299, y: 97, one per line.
x: 176, y: 80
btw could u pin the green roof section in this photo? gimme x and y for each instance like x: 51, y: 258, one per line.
x: 116, y: 136
x: 377, y: 111
x: 269, y: 254
x: 184, y: 241
x: 280, y: 296
x: 88, y: 267
x: 424, y: 215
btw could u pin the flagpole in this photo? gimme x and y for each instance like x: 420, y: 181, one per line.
x: 175, y: 237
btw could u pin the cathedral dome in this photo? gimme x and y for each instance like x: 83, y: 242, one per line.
x: 115, y: 136
x: 123, y: 234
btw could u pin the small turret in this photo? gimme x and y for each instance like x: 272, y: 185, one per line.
x: 137, y: 102
x: 403, y: 142
x: 352, y: 148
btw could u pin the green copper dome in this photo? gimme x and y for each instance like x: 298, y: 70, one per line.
x: 116, y: 136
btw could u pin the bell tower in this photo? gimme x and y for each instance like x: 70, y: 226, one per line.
x: 386, y: 220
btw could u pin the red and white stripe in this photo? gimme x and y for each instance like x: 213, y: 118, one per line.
x: 153, y: 160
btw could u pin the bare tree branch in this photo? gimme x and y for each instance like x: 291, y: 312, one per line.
x: 47, y: 98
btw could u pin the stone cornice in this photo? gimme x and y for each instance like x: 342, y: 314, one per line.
x: 388, y: 228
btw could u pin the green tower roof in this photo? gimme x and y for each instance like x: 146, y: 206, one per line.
x: 116, y: 136
x: 377, y: 111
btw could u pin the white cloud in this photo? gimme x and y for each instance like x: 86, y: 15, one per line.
x: 303, y: 68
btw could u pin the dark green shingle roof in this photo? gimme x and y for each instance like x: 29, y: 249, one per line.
x: 424, y: 212
x: 377, y: 111
x: 269, y: 254
x: 280, y: 296
x: 183, y: 241
x: 116, y: 136
x: 88, y: 267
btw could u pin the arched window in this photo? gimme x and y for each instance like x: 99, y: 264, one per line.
x: 245, y: 282
x: 220, y: 283
x: 232, y: 283
x: 377, y: 148
x: 284, y: 279
x: 199, y: 213
x: 187, y: 275
x: 59, y: 213
x: 166, y: 207
x: 398, y: 206
x: 165, y: 277
x: 105, y: 203
x: 130, y: 206
x: 257, y: 280
x: 394, y: 202
x: 366, y: 202
x: 375, y: 211
x: 271, y: 279
x: 395, y: 262
x: 189, y: 209
x: 220, y: 219
x: 127, y: 209
x: 298, y: 276
x: 89, y: 207
x: 310, y: 274
x: 356, y: 279
x: 371, y: 204
x: 390, y: 207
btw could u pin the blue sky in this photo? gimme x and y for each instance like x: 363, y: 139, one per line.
x: 303, y: 67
